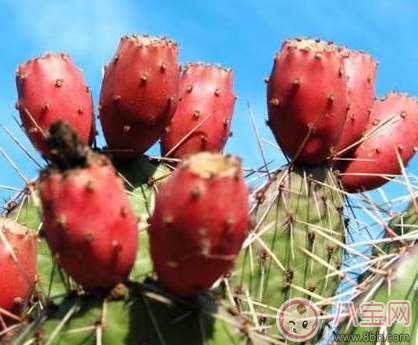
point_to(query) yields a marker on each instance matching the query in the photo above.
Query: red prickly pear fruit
(18, 251)
(87, 220)
(205, 91)
(139, 94)
(360, 69)
(52, 88)
(197, 230)
(307, 99)
(392, 129)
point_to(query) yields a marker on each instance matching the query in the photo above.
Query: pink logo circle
(298, 319)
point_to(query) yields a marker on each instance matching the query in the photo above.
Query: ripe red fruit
(52, 88)
(207, 97)
(361, 73)
(307, 99)
(87, 220)
(199, 223)
(139, 93)
(18, 250)
(392, 128)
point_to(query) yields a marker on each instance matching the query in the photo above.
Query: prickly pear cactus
(397, 281)
(322, 111)
(296, 246)
(140, 314)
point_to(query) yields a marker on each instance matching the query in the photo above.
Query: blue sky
(243, 35)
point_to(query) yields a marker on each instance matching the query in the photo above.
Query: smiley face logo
(298, 319)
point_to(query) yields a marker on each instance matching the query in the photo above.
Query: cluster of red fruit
(322, 107)
(88, 223)
(143, 98)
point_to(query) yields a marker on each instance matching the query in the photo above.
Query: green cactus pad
(140, 314)
(397, 282)
(142, 179)
(400, 226)
(296, 244)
